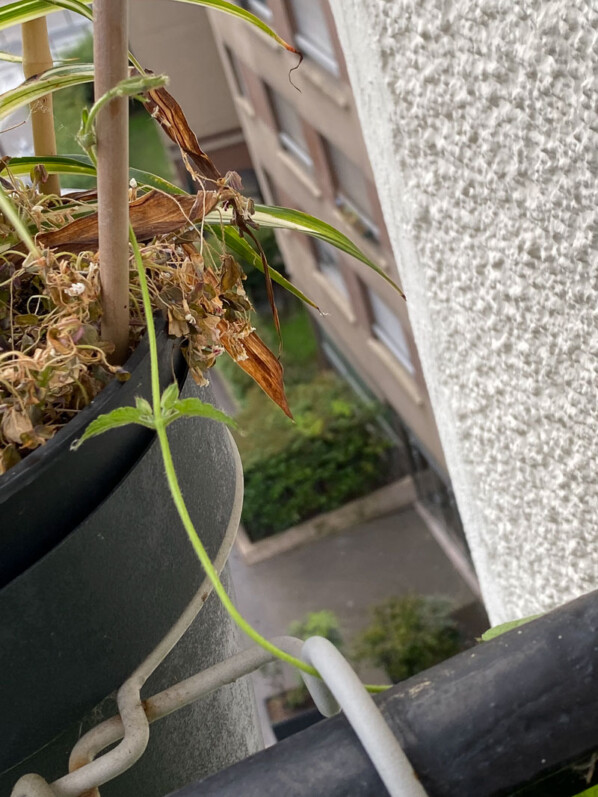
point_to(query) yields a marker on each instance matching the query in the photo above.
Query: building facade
(305, 141)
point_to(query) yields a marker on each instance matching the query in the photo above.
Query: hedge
(333, 453)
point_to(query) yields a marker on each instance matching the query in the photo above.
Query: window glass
(290, 129)
(388, 330)
(329, 266)
(313, 37)
(240, 84)
(352, 197)
(257, 7)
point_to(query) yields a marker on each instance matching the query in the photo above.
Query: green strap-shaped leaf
(81, 164)
(240, 247)
(78, 6)
(289, 219)
(121, 416)
(25, 10)
(59, 77)
(241, 13)
(14, 59)
(54, 164)
(11, 214)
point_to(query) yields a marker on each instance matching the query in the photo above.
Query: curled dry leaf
(258, 361)
(169, 115)
(153, 214)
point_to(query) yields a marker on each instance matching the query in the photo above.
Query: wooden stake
(37, 58)
(112, 128)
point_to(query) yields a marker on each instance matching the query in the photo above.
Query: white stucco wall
(481, 125)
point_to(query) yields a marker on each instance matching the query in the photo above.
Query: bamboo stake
(37, 58)
(112, 129)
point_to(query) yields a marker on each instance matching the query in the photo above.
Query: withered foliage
(52, 361)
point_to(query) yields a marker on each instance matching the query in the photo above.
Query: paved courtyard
(346, 573)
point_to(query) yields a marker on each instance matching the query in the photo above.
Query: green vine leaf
(492, 633)
(121, 416)
(194, 407)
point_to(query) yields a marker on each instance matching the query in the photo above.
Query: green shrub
(333, 453)
(323, 623)
(408, 635)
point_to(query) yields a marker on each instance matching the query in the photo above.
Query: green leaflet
(169, 396)
(491, 633)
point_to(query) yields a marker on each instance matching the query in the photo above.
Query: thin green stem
(151, 329)
(130, 87)
(177, 495)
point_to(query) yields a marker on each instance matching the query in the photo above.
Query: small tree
(408, 635)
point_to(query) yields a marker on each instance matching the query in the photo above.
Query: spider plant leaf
(289, 219)
(25, 10)
(239, 246)
(121, 416)
(54, 164)
(14, 59)
(75, 5)
(11, 214)
(59, 77)
(247, 16)
(81, 164)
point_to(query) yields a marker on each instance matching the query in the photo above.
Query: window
(257, 7)
(328, 265)
(240, 84)
(290, 130)
(312, 36)
(388, 329)
(352, 197)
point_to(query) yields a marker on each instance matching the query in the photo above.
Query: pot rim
(22, 474)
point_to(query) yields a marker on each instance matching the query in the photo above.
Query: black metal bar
(517, 713)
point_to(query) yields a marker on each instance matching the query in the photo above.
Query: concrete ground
(346, 573)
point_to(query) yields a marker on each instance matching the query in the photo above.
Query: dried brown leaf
(169, 115)
(262, 366)
(155, 213)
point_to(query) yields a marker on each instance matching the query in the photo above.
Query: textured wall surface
(480, 120)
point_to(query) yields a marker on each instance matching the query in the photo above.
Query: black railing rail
(516, 715)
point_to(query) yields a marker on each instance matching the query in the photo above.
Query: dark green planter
(80, 610)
